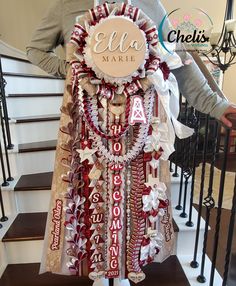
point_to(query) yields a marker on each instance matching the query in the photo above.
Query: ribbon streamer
(130, 11)
(132, 88)
(99, 12)
(78, 35)
(106, 91)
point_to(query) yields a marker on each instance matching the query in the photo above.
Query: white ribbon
(168, 93)
(156, 242)
(152, 201)
(171, 58)
(153, 142)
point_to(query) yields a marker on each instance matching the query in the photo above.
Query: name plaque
(118, 47)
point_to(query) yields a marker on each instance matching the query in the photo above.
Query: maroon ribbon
(130, 11)
(78, 35)
(165, 70)
(152, 35)
(132, 88)
(106, 90)
(152, 64)
(99, 12)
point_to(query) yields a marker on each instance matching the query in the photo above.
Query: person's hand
(231, 109)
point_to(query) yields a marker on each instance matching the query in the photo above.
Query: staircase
(34, 101)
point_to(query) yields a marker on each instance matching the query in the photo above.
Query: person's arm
(46, 38)
(194, 87)
(192, 83)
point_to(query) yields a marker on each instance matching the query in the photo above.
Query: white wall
(18, 19)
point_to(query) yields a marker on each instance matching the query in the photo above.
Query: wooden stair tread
(223, 236)
(38, 146)
(27, 226)
(18, 95)
(168, 273)
(232, 271)
(27, 75)
(34, 182)
(37, 118)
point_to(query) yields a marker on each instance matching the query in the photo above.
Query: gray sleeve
(192, 83)
(48, 35)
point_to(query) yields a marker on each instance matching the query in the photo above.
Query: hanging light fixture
(223, 45)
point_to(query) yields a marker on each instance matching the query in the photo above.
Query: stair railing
(206, 153)
(4, 108)
(5, 142)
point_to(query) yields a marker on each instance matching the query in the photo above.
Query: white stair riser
(17, 84)
(187, 235)
(174, 252)
(175, 197)
(175, 191)
(181, 222)
(9, 202)
(193, 273)
(3, 252)
(32, 201)
(186, 242)
(24, 106)
(3, 258)
(34, 131)
(14, 66)
(32, 162)
(24, 251)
